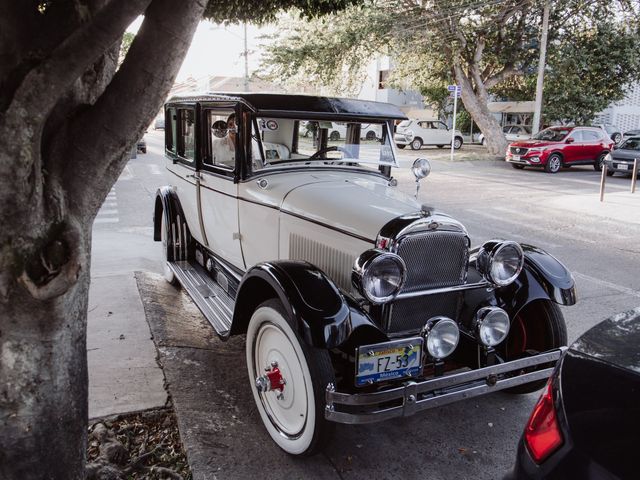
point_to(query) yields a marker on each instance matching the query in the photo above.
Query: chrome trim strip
(435, 291)
(418, 396)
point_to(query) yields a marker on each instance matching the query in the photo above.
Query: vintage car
(359, 303)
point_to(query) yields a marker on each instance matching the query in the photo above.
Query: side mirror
(570, 140)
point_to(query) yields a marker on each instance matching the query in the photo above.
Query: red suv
(556, 147)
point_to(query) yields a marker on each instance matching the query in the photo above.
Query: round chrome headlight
(492, 325)
(378, 275)
(500, 262)
(421, 168)
(441, 337)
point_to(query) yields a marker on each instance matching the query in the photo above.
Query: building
(624, 114)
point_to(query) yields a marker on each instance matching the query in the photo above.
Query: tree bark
(59, 156)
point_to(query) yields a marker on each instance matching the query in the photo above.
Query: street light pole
(541, 65)
(246, 60)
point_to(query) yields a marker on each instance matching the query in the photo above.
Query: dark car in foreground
(621, 159)
(557, 147)
(141, 146)
(586, 423)
(632, 133)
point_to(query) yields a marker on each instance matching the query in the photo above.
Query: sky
(217, 50)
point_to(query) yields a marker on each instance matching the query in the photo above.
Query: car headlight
(492, 325)
(421, 168)
(500, 262)
(409, 134)
(537, 149)
(608, 157)
(378, 275)
(441, 337)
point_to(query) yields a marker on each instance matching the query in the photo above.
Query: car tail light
(542, 434)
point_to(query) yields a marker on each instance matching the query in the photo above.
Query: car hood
(622, 154)
(533, 143)
(614, 341)
(358, 204)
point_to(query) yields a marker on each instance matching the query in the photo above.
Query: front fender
(324, 317)
(167, 204)
(542, 277)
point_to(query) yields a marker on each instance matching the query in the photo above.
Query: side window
(440, 126)
(577, 136)
(171, 132)
(590, 136)
(187, 134)
(221, 140)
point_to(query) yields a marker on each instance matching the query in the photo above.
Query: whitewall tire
(168, 274)
(294, 417)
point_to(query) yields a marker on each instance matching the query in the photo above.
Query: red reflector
(542, 434)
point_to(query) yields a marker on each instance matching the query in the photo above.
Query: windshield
(552, 134)
(303, 142)
(631, 144)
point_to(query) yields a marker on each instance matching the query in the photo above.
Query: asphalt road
(472, 439)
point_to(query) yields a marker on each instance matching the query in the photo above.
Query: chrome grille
(519, 150)
(434, 259)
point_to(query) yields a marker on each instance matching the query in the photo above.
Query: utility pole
(537, 114)
(246, 60)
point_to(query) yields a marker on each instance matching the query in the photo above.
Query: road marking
(126, 174)
(108, 211)
(612, 286)
(554, 233)
(106, 220)
(155, 169)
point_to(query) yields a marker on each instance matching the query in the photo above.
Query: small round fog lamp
(421, 168)
(441, 337)
(492, 325)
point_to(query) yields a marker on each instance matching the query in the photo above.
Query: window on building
(383, 79)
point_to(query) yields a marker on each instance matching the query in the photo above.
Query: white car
(338, 130)
(513, 133)
(359, 303)
(418, 133)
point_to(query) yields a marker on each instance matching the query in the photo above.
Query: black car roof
(274, 104)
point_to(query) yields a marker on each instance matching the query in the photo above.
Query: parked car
(141, 146)
(418, 133)
(615, 133)
(358, 302)
(631, 133)
(557, 147)
(621, 158)
(338, 130)
(586, 422)
(512, 133)
(158, 124)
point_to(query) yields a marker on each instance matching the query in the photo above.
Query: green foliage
(127, 40)
(234, 11)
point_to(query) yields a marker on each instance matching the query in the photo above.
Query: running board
(214, 303)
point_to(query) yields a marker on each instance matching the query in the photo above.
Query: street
(472, 439)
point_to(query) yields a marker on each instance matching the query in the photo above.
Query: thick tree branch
(42, 87)
(105, 132)
(500, 77)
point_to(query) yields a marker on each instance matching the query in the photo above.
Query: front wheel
(554, 162)
(457, 143)
(538, 327)
(288, 380)
(335, 136)
(400, 146)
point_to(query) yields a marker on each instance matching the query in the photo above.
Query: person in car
(223, 144)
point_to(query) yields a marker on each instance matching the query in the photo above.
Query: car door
(572, 150)
(180, 152)
(442, 134)
(592, 144)
(218, 189)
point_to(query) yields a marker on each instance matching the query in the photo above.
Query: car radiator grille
(519, 150)
(434, 259)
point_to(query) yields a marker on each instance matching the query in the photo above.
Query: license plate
(622, 166)
(516, 158)
(388, 361)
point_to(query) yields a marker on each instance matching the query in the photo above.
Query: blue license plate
(388, 361)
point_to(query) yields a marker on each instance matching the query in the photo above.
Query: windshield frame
(257, 145)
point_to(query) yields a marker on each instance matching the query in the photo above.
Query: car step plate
(388, 361)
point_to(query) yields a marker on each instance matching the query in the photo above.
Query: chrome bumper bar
(413, 397)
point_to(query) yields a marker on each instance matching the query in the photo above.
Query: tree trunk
(43, 380)
(479, 111)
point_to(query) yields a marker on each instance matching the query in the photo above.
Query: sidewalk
(621, 206)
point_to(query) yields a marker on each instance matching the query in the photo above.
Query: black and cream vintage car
(358, 302)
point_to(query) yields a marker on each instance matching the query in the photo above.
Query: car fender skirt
(325, 317)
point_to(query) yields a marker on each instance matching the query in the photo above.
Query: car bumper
(622, 166)
(401, 140)
(529, 160)
(412, 397)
